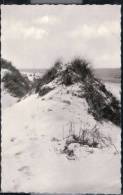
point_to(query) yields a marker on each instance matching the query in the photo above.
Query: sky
(36, 36)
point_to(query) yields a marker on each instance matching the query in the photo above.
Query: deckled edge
(84, 2)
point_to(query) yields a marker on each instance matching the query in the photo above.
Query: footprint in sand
(32, 116)
(12, 139)
(16, 187)
(49, 110)
(18, 153)
(25, 170)
(33, 138)
(26, 127)
(42, 135)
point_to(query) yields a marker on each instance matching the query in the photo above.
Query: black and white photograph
(61, 99)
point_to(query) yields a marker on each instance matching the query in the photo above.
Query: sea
(32, 70)
(105, 74)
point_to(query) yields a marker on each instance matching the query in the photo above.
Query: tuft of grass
(67, 77)
(14, 82)
(5, 64)
(102, 104)
(48, 76)
(92, 138)
(45, 90)
(77, 70)
(82, 67)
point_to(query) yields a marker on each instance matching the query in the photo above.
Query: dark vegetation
(76, 71)
(16, 84)
(102, 104)
(45, 90)
(50, 75)
(87, 137)
(91, 138)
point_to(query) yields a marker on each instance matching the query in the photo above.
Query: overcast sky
(35, 36)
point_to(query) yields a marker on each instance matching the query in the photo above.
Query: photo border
(84, 2)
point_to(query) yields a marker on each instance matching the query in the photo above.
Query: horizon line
(92, 67)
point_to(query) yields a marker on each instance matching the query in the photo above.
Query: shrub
(48, 76)
(81, 67)
(92, 138)
(44, 90)
(67, 78)
(8, 65)
(16, 84)
(76, 71)
(103, 106)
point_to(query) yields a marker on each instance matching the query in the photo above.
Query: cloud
(19, 30)
(87, 31)
(61, 31)
(46, 20)
(34, 33)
